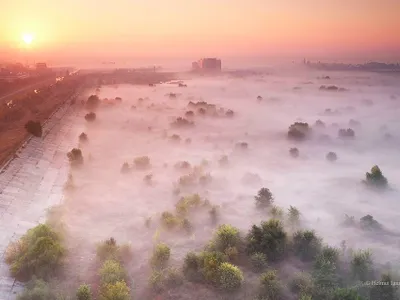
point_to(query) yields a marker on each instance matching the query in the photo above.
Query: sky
(124, 29)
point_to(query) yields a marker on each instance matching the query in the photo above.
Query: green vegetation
(293, 216)
(39, 252)
(84, 292)
(142, 162)
(331, 156)
(125, 168)
(264, 198)
(164, 279)
(276, 212)
(109, 250)
(361, 265)
(230, 276)
(346, 133)
(299, 131)
(214, 214)
(169, 220)
(115, 291)
(75, 157)
(37, 289)
(270, 238)
(90, 117)
(302, 284)
(376, 178)
(160, 257)
(294, 152)
(306, 245)
(34, 128)
(270, 286)
(93, 102)
(111, 272)
(83, 137)
(258, 261)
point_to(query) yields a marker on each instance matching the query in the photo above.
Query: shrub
(270, 287)
(331, 156)
(209, 262)
(264, 198)
(34, 128)
(349, 294)
(214, 214)
(125, 168)
(226, 236)
(182, 122)
(327, 254)
(90, 117)
(169, 278)
(230, 276)
(75, 157)
(319, 124)
(229, 113)
(83, 137)
(173, 277)
(148, 179)
(376, 178)
(205, 179)
(186, 225)
(92, 102)
(108, 250)
(189, 114)
(223, 161)
(270, 238)
(116, 291)
(293, 216)
(361, 265)
(175, 138)
(39, 252)
(231, 253)
(187, 180)
(325, 279)
(299, 131)
(346, 133)
(258, 261)
(36, 289)
(84, 292)
(142, 162)
(294, 152)
(111, 272)
(276, 212)
(185, 204)
(242, 146)
(301, 284)
(369, 223)
(306, 245)
(168, 220)
(191, 267)
(160, 257)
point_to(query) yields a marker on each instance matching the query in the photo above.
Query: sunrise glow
(27, 38)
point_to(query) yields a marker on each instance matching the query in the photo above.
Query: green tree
(111, 272)
(160, 257)
(84, 292)
(230, 276)
(306, 244)
(117, 291)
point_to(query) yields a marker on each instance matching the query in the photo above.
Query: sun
(27, 38)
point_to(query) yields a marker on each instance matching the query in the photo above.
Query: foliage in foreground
(37, 289)
(230, 276)
(39, 252)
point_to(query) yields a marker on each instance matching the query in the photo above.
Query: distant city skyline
(91, 31)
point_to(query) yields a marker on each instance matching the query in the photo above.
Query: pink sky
(97, 29)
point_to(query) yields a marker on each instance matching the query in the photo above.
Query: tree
(84, 292)
(264, 198)
(386, 291)
(270, 287)
(226, 236)
(376, 178)
(230, 276)
(160, 257)
(36, 289)
(270, 238)
(116, 291)
(306, 244)
(361, 265)
(258, 261)
(299, 131)
(347, 294)
(34, 128)
(111, 272)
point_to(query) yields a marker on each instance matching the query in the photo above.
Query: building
(207, 64)
(41, 67)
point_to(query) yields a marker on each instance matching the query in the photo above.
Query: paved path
(32, 183)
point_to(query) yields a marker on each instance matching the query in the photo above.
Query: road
(26, 89)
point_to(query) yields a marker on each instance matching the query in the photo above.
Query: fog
(108, 203)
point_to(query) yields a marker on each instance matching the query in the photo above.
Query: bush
(376, 178)
(361, 265)
(84, 292)
(175, 138)
(189, 114)
(169, 278)
(191, 267)
(185, 204)
(75, 157)
(229, 113)
(92, 102)
(276, 212)
(223, 161)
(264, 198)
(116, 291)
(214, 214)
(168, 220)
(209, 262)
(226, 236)
(182, 122)
(109, 250)
(119, 99)
(90, 117)
(350, 294)
(270, 238)
(331, 156)
(187, 180)
(293, 216)
(301, 284)
(125, 168)
(205, 179)
(37, 290)
(346, 133)
(270, 287)
(160, 257)
(328, 254)
(39, 252)
(299, 131)
(306, 245)
(231, 277)
(242, 146)
(142, 162)
(294, 152)
(369, 223)
(258, 261)
(182, 165)
(83, 137)
(111, 272)
(319, 124)
(186, 225)
(34, 128)
(148, 179)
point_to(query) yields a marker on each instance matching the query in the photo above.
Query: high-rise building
(207, 64)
